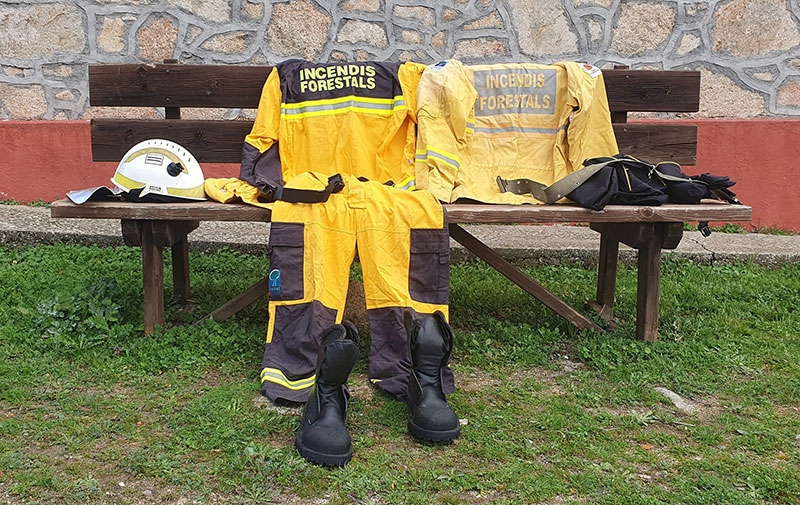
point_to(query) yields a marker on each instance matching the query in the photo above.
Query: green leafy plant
(81, 321)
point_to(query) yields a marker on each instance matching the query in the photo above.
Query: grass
(91, 411)
(36, 203)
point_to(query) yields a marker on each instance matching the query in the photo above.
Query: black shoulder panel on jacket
(304, 81)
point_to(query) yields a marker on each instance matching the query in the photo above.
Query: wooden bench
(174, 87)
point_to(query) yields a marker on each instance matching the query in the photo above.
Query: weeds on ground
(92, 411)
(35, 203)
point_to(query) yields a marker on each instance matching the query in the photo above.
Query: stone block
(789, 94)
(212, 10)
(229, 43)
(744, 28)
(642, 28)
(157, 39)
(22, 102)
(360, 5)
(35, 31)
(543, 29)
(423, 15)
(297, 28)
(354, 31)
(480, 49)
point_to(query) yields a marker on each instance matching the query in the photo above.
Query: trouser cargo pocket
(286, 261)
(429, 268)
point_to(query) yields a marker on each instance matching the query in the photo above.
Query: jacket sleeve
(261, 165)
(446, 119)
(409, 75)
(590, 132)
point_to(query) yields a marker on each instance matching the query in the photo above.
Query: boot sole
(321, 458)
(433, 436)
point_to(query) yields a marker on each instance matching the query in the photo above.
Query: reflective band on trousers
(276, 376)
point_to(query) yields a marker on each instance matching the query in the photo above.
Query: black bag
(624, 180)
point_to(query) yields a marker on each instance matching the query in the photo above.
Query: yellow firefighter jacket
(531, 121)
(347, 118)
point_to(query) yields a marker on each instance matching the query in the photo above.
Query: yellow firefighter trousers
(403, 246)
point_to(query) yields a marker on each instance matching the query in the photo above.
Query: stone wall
(747, 50)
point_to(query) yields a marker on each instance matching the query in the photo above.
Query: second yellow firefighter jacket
(515, 121)
(346, 118)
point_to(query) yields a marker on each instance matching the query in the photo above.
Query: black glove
(714, 181)
(718, 186)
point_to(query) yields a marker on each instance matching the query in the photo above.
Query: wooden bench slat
(222, 141)
(209, 141)
(184, 211)
(567, 213)
(456, 213)
(140, 85)
(237, 86)
(655, 142)
(653, 90)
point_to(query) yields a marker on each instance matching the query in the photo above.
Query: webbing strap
(567, 184)
(294, 195)
(554, 192)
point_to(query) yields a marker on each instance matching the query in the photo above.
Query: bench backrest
(177, 86)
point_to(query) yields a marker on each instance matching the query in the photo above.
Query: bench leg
(180, 271)
(606, 279)
(152, 237)
(648, 239)
(519, 278)
(648, 288)
(152, 280)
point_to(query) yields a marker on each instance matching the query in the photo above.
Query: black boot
(322, 437)
(431, 343)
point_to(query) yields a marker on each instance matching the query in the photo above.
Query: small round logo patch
(274, 282)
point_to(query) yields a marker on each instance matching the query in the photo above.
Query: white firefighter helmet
(159, 170)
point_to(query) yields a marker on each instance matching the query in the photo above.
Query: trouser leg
(311, 249)
(404, 250)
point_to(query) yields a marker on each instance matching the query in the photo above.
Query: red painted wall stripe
(42, 160)
(763, 157)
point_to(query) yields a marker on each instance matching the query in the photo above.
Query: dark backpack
(624, 180)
